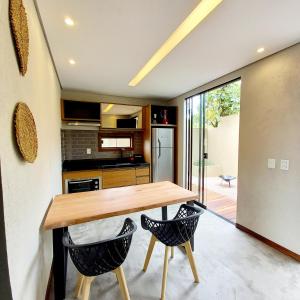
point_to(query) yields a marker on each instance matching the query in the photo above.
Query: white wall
(223, 145)
(28, 188)
(268, 200)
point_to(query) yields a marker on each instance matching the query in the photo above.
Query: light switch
(271, 163)
(284, 164)
(88, 151)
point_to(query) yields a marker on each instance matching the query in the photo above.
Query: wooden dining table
(71, 209)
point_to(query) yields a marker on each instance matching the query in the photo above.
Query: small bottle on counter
(154, 121)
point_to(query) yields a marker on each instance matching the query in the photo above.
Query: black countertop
(92, 164)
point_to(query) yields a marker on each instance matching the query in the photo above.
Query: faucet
(122, 150)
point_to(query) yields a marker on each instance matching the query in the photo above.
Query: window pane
(109, 143)
(118, 142)
(123, 142)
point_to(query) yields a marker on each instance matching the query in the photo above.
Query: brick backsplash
(75, 142)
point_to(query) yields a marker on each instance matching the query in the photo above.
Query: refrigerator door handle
(157, 167)
(159, 146)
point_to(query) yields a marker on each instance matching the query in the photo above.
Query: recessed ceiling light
(69, 21)
(260, 50)
(202, 10)
(72, 61)
(108, 108)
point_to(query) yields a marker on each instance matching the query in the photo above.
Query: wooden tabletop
(71, 209)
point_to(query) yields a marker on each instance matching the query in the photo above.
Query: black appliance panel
(85, 185)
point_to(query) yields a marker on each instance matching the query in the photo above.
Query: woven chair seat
(104, 256)
(176, 231)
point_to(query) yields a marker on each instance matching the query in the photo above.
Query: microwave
(82, 185)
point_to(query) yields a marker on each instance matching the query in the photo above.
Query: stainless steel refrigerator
(163, 154)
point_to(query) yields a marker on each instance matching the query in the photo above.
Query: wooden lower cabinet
(112, 177)
(142, 171)
(142, 175)
(118, 177)
(142, 180)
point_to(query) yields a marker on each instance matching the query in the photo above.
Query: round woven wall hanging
(19, 26)
(26, 132)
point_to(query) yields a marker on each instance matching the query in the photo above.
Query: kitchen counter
(94, 164)
(110, 173)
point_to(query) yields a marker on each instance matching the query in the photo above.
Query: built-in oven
(82, 185)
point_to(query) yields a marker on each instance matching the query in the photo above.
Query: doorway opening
(212, 138)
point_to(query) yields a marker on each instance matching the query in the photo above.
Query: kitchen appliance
(126, 123)
(162, 154)
(82, 185)
(138, 158)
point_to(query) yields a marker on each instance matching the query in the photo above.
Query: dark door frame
(189, 149)
(5, 287)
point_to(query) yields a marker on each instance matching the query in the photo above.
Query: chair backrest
(104, 256)
(176, 231)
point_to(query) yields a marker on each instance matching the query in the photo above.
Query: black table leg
(164, 212)
(60, 261)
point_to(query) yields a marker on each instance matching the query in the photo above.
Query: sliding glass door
(195, 145)
(212, 135)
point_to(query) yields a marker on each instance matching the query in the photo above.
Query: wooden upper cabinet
(118, 177)
(80, 111)
(147, 133)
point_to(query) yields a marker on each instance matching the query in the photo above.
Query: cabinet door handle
(80, 181)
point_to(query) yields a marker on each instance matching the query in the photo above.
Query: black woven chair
(175, 232)
(101, 257)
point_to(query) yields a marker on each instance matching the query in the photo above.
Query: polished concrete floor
(231, 265)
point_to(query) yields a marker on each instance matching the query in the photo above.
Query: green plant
(221, 102)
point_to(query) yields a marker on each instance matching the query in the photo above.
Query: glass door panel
(196, 130)
(212, 126)
(194, 145)
(220, 140)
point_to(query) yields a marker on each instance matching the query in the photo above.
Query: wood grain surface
(71, 209)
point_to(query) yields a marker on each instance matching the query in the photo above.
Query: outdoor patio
(220, 197)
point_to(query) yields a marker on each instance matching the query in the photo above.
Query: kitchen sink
(125, 164)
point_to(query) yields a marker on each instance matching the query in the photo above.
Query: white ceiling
(113, 39)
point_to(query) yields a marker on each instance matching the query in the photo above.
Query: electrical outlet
(271, 163)
(88, 151)
(284, 164)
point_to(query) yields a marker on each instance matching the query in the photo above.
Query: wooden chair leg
(87, 287)
(164, 279)
(149, 252)
(122, 283)
(79, 285)
(189, 253)
(172, 252)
